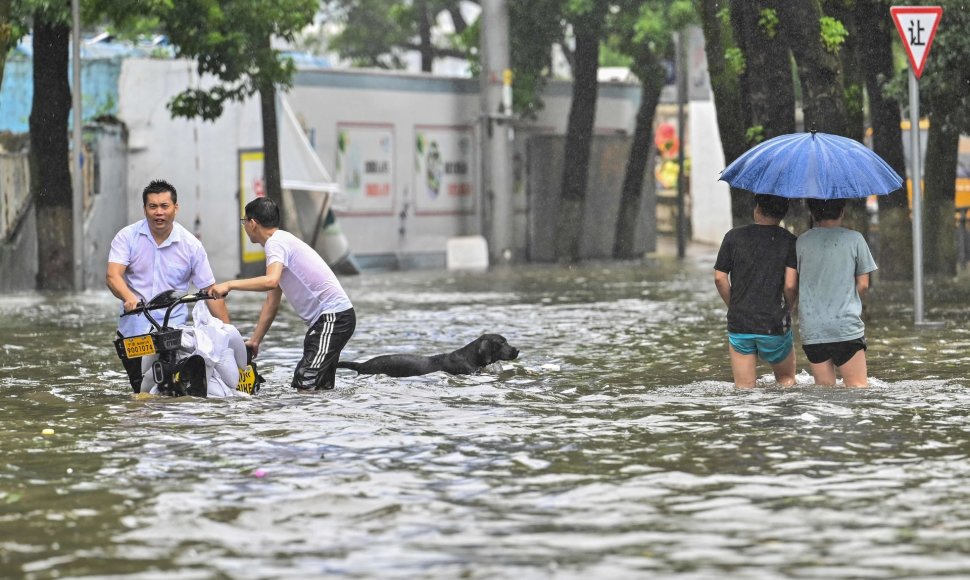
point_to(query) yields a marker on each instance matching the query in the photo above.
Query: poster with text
(444, 172)
(365, 167)
(252, 184)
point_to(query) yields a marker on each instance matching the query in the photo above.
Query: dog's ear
(486, 351)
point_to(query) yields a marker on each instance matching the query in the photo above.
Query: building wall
(327, 100)
(202, 158)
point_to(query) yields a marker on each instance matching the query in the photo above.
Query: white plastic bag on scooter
(218, 343)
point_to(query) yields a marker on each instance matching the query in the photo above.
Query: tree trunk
(651, 85)
(767, 91)
(853, 70)
(894, 235)
(50, 174)
(271, 146)
(819, 71)
(939, 249)
(424, 29)
(727, 100)
(579, 136)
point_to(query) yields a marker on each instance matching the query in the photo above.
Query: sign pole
(916, 170)
(917, 26)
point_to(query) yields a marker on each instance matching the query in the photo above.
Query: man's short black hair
(264, 211)
(159, 186)
(772, 206)
(826, 209)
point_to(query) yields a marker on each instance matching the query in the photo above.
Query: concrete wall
(105, 210)
(327, 100)
(199, 158)
(398, 110)
(711, 207)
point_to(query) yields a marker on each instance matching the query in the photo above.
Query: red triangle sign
(917, 27)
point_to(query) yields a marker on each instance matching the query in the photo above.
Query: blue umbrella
(817, 165)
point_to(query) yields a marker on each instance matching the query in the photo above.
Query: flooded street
(614, 447)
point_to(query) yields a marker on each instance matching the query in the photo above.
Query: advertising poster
(444, 170)
(252, 184)
(365, 167)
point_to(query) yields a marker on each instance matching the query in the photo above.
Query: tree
(725, 64)
(231, 40)
(378, 33)
(587, 19)
(876, 36)
(815, 41)
(641, 30)
(50, 175)
(6, 33)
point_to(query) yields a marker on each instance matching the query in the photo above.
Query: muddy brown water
(614, 447)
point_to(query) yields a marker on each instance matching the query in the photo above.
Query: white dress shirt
(152, 269)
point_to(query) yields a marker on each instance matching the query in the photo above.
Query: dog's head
(494, 347)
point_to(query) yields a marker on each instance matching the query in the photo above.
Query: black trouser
(321, 350)
(133, 368)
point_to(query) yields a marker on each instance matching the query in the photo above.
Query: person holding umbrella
(833, 262)
(755, 274)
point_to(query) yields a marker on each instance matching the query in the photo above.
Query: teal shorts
(772, 348)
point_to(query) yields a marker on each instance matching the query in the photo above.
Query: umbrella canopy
(817, 165)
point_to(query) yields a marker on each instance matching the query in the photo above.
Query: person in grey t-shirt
(833, 275)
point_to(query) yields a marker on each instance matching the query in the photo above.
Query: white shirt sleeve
(275, 252)
(201, 270)
(120, 252)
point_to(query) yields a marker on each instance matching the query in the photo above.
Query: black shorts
(837, 352)
(321, 350)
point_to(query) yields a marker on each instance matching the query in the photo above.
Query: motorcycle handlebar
(186, 299)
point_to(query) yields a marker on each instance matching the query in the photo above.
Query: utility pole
(77, 150)
(497, 131)
(681, 57)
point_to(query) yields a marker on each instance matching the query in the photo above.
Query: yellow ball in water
(47, 431)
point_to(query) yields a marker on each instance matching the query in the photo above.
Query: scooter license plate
(139, 346)
(247, 380)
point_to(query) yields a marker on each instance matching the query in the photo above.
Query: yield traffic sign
(917, 27)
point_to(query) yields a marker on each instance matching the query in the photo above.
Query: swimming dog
(482, 351)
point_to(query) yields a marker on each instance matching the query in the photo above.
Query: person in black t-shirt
(756, 275)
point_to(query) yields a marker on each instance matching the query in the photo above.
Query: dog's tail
(349, 365)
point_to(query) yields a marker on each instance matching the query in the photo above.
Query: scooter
(175, 375)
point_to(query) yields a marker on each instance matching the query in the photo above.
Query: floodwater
(614, 447)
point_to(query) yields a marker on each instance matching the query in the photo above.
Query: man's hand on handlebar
(219, 290)
(131, 304)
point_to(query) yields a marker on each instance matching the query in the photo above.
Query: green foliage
(609, 56)
(854, 100)
(230, 39)
(833, 34)
(734, 61)
(724, 16)
(768, 21)
(754, 135)
(534, 27)
(378, 33)
(680, 13)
